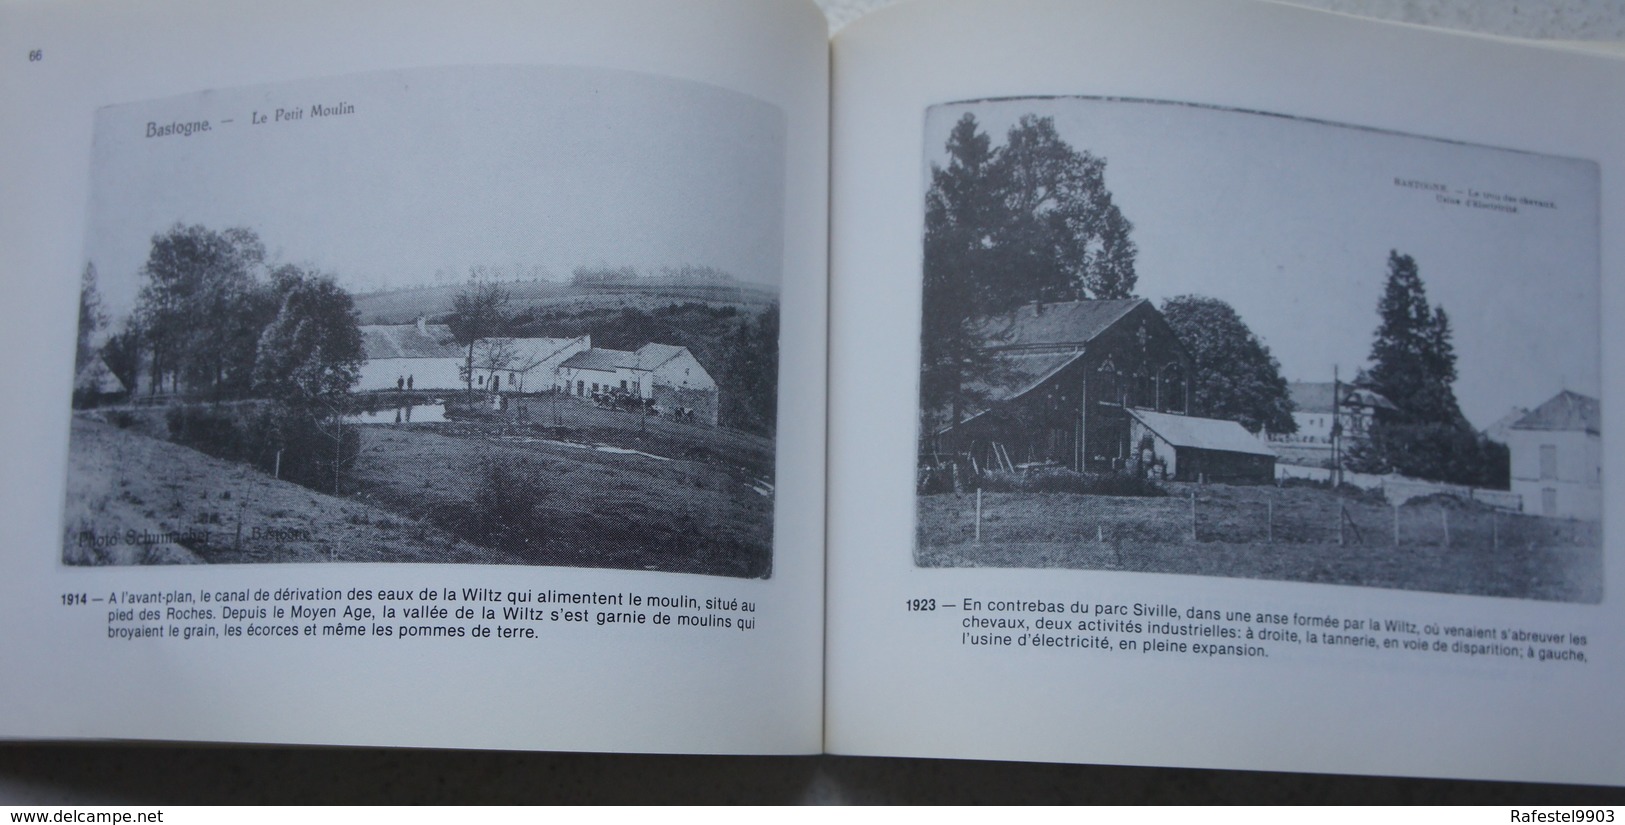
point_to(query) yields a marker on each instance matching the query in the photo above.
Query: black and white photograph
(1168, 337)
(493, 315)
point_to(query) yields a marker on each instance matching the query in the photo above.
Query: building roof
(1498, 430)
(1201, 433)
(601, 359)
(1021, 372)
(1043, 325)
(1565, 411)
(407, 341)
(532, 352)
(1310, 396)
(1036, 341)
(650, 356)
(1316, 396)
(97, 377)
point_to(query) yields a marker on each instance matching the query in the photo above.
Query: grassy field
(563, 483)
(550, 482)
(130, 487)
(1289, 534)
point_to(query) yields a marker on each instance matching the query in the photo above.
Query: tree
(200, 308)
(959, 224)
(311, 351)
(91, 318)
(750, 397)
(479, 310)
(1413, 365)
(1413, 360)
(1028, 221)
(309, 357)
(1234, 376)
(1057, 235)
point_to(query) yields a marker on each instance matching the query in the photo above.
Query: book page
(442, 374)
(1250, 393)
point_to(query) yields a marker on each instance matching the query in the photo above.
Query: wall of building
(685, 373)
(1571, 485)
(426, 373)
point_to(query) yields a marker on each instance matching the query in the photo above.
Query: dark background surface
(149, 774)
(50, 774)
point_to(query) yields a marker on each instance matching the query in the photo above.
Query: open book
(1199, 384)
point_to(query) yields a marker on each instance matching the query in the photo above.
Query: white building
(1557, 457)
(670, 375)
(421, 355)
(523, 364)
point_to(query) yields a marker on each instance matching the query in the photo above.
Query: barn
(1188, 448)
(1078, 384)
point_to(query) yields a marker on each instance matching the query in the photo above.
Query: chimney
(423, 327)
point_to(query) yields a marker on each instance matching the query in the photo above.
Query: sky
(1291, 222)
(540, 169)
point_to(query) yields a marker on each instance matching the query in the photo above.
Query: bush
(504, 512)
(1067, 481)
(257, 435)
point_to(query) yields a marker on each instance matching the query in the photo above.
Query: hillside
(402, 306)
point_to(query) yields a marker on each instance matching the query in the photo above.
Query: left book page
(430, 374)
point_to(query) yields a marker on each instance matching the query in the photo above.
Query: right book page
(1248, 393)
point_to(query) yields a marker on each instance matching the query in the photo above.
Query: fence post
(1340, 523)
(1193, 515)
(1444, 517)
(978, 515)
(1396, 526)
(1269, 520)
(1495, 531)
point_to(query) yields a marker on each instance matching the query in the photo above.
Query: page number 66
(36, 55)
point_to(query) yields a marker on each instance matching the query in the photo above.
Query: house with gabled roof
(1556, 452)
(523, 364)
(1095, 386)
(420, 354)
(669, 375)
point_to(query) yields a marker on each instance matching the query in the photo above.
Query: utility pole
(1337, 430)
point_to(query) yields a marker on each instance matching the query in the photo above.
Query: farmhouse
(1095, 386)
(523, 364)
(669, 375)
(422, 354)
(1557, 457)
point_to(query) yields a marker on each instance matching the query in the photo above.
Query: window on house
(623, 386)
(1548, 461)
